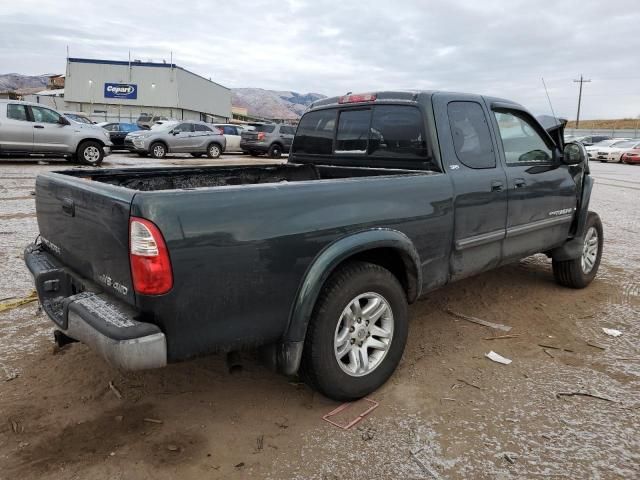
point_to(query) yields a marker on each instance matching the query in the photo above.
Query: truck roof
(397, 95)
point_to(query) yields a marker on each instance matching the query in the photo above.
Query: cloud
(500, 48)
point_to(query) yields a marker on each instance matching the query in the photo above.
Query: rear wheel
(580, 272)
(275, 150)
(90, 153)
(213, 150)
(158, 150)
(357, 332)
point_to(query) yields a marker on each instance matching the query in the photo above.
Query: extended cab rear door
(469, 155)
(542, 193)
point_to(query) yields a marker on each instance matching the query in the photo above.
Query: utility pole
(581, 81)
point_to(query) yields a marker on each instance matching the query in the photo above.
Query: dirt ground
(447, 412)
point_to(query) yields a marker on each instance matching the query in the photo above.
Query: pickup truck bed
(385, 197)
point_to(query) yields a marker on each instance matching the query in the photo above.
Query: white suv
(27, 128)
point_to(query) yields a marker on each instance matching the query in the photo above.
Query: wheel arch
(153, 142)
(388, 248)
(89, 139)
(572, 248)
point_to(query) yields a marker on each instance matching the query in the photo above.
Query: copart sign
(127, 91)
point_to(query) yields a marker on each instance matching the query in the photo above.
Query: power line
(581, 81)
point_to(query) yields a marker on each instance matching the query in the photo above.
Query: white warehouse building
(109, 90)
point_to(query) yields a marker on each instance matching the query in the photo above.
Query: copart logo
(121, 89)
(127, 91)
(117, 286)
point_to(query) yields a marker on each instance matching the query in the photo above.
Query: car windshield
(606, 143)
(163, 126)
(264, 128)
(625, 144)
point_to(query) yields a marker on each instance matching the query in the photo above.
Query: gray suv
(196, 138)
(269, 138)
(29, 128)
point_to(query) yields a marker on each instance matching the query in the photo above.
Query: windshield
(625, 144)
(264, 128)
(163, 126)
(606, 143)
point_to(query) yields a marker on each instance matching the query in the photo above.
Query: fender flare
(337, 252)
(573, 248)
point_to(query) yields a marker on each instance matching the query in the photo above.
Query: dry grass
(622, 123)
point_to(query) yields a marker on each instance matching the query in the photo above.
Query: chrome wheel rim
(363, 334)
(214, 151)
(158, 150)
(590, 250)
(91, 154)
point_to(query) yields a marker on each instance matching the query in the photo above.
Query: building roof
(58, 92)
(136, 63)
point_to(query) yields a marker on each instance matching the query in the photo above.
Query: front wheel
(213, 150)
(357, 332)
(158, 150)
(275, 151)
(90, 153)
(580, 272)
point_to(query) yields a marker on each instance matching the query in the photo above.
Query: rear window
(265, 128)
(353, 131)
(202, 128)
(315, 133)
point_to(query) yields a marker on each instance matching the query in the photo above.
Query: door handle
(38, 126)
(519, 183)
(497, 186)
(69, 207)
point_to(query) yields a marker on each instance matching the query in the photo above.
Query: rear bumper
(254, 147)
(93, 317)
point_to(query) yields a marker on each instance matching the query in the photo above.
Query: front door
(286, 134)
(541, 190)
(480, 184)
(49, 135)
(182, 139)
(16, 131)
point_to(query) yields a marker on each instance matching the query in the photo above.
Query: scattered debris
(345, 406)
(509, 459)
(500, 337)
(239, 465)
(11, 304)
(12, 376)
(173, 448)
(118, 418)
(548, 352)
(112, 454)
(152, 420)
(260, 443)
(553, 347)
(16, 427)
(497, 358)
(449, 399)
(612, 332)
(115, 391)
(469, 383)
(595, 345)
(424, 464)
(583, 394)
(479, 321)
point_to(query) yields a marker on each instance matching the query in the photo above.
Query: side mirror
(574, 154)
(63, 121)
(174, 132)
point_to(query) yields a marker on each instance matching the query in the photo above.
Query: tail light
(261, 136)
(149, 258)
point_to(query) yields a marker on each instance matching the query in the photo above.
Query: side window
(471, 136)
(353, 131)
(202, 128)
(184, 127)
(287, 130)
(111, 127)
(17, 112)
(229, 130)
(397, 130)
(521, 142)
(44, 115)
(315, 133)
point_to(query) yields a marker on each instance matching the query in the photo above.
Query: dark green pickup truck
(385, 197)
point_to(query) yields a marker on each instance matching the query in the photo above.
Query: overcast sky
(500, 48)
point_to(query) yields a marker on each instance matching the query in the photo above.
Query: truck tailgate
(85, 224)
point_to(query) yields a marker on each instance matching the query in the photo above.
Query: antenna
(549, 100)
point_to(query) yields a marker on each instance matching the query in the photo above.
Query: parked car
(614, 152)
(118, 131)
(593, 149)
(589, 140)
(632, 156)
(78, 117)
(145, 120)
(196, 138)
(233, 135)
(384, 198)
(30, 128)
(270, 138)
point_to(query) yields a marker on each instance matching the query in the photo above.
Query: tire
(348, 380)
(158, 150)
(214, 150)
(197, 155)
(90, 153)
(580, 272)
(620, 159)
(275, 150)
